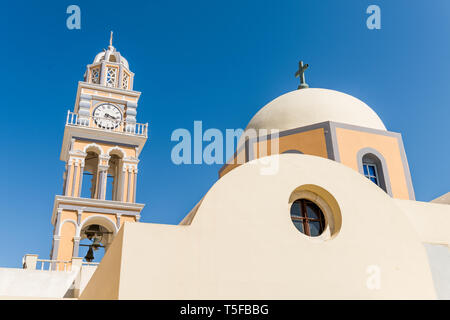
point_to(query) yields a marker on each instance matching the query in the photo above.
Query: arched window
(90, 176)
(372, 165)
(307, 217)
(113, 179)
(373, 170)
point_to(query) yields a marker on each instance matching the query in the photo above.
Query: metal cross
(301, 73)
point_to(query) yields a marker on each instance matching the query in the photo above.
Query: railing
(31, 262)
(106, 124)
(54, 265)
(92, 264)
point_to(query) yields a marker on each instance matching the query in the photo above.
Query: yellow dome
(304, 107)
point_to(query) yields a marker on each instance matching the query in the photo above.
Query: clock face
(107, 116)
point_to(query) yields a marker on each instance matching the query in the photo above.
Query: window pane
(372, 171)
(295, 209)
(374, 180)
(315, 228)
(307, 217)
(365, 170)
(298, 225)
(312, 211)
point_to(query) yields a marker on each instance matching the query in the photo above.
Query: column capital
(104, 157)
(103, 167)
(77, 154)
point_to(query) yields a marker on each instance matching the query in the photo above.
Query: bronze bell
(89, 255)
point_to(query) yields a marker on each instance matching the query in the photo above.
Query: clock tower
(101, 146)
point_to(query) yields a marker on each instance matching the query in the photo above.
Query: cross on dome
(301, 74)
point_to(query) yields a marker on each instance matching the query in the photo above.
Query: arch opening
(89, 187)
(95, 237)
(114, 179)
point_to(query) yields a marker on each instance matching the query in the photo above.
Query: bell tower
(101, 146)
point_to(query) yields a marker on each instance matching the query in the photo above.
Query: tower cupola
(110, 69)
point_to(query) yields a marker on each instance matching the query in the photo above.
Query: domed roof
(304, 107)
(111, 55)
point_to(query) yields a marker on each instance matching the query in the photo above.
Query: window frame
(368, 175)
(369, 155)
(94, 76)
(305, 219)
(111, 76)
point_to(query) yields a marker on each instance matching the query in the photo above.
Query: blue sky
(214, 61)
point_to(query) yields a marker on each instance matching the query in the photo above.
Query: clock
(107, 116)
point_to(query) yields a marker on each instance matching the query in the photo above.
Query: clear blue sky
(215, 61)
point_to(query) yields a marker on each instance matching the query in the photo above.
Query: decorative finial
(111, 39)
(301, 73)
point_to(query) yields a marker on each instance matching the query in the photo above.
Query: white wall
(25, 283)
(439, 257)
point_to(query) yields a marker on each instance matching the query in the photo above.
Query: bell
(89, 255)
(92, 231)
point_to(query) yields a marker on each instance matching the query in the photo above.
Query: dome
(111, 55)
(304, 107)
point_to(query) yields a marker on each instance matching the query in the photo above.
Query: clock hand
(107, 115)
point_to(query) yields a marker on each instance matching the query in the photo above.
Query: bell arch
(90, 187)
(94, 148)
(95, 234)
(115, 175)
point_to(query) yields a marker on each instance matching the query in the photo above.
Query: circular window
(307, 217)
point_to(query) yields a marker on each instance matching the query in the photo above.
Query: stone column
(80, 183)
(134, 184)
(69, 174)
(129, 185)
(79, 213)
(74, 179)
(122, 183)
(76, 246)
(64, 181)
(57, 221)
(102, 181)
(54, 255)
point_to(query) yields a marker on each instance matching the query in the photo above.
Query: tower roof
(111, 55)
(309, 106)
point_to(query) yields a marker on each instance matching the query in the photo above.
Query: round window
(307, 217)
